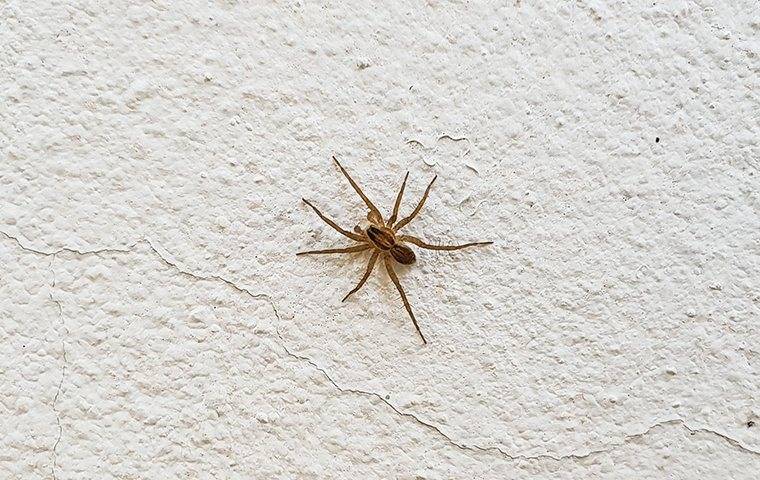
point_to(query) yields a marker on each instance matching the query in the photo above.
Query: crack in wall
(709, 431)
(500, 451)
(162, 256)
(53, 253)
(219, 278)
(372, 395)
(54, 466)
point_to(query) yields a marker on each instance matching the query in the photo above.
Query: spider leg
(422, 244)
(394, 278)
(374, 212)
(352, 236)
(355, 248)
(408, 219)
(393, 217)
(359, 285)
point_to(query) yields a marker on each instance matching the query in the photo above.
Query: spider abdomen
(382, 237)
(403, 254)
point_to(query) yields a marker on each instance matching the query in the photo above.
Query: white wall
(155, 322)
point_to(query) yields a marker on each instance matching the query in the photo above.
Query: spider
(382, 238)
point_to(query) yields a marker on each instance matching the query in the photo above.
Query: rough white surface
(154, 322)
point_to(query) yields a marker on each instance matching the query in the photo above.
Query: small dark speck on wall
(656, 139)
(750, 424)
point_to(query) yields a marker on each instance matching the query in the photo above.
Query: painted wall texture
(155, 322)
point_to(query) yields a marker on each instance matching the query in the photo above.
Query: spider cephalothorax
(382, 238)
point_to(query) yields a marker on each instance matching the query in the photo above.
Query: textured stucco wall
(154, 322)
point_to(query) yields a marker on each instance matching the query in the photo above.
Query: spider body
(382, 238)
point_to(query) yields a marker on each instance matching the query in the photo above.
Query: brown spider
(381, 236)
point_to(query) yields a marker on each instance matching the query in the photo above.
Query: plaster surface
(155, 322)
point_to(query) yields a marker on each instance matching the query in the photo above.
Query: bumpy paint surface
(155, 323)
